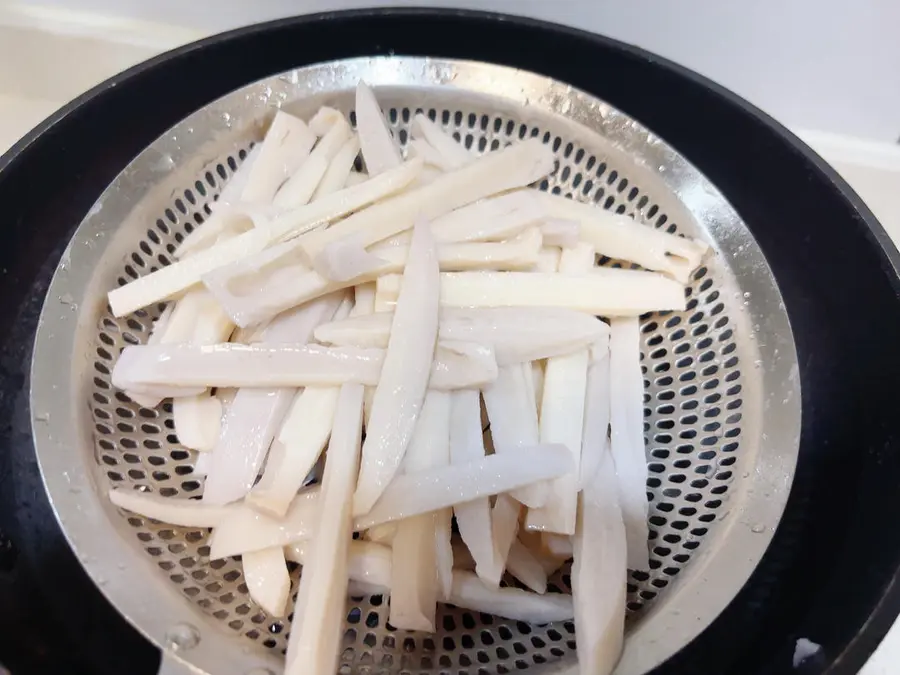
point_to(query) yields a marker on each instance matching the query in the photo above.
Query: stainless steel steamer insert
(722, 391)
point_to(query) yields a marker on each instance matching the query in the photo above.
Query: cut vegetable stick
(612, 293)
(472, 518)
(562, 233)
(519, 253)
(508, 169)
(172, 279)
(409, 495)
(562, 417)
(338, 170)
(378, 148)
(400, 390)
(627, 435)
(197, 421)
(225, 218)
(599, 571)
(260, 286)
(180, 512)
(267, 579)
(198, 418)
(418, 579)
(514, 425)
(619, 236)
(315, 647)
(285, 148)
(505, 518)
(240, 529)
(202, 464)
(453, 154)
(548, 260)
(304, 433)
(419, 147)
(368, 562)
(596, 414)
(550, 562)
(513, 603)
(299, 188)
(255, 415)
(537, 382)
(525, 567)
(186, 370)
(492, 219)
(414, 583)
(516, 335)
(364, 301)
(383, 534)
(557, 544)
(355, 178)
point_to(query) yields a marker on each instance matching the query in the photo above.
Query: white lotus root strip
(355, 178)
(415, 581)
(370, 563)
(548, 260)
(562, 233)
(303, 435)
(224, 219)
(175, 278)
(505, 517)
(599, 571)
(180, 512)
(453, 154)
(514, 425)
(627, 436)
(299, 188)
(379, 151)
(284, 149)
(620, 237)
(596, 412)
(525, 567)
(562, 416)
(202, 464)
(514, 167)
(419, 147)
(239, 528)
(516, 335)
(409, 495)
(267, 579)
(364, 301)
(513, 603)
(314, 648)
(338, 171)
(492, 219)
(197, 421)
(260, 286)
(400, 390)
(186, 370)
(255, 415)
(383, 534)
(610, 293)
(472, 518)
(348, 260)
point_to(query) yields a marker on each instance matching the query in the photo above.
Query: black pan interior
(830, 575)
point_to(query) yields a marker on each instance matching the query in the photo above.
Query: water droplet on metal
(182, 636)
(758, 529)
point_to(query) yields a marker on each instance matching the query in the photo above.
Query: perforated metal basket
(722, 397)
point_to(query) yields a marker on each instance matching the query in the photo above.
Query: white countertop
(43, 68)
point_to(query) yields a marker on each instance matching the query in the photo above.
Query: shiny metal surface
(722, 387)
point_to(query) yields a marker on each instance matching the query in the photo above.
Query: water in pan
(693, 388)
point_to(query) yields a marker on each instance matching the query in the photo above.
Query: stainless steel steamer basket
(722, 391)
